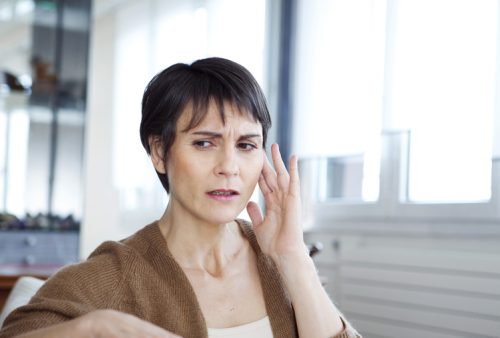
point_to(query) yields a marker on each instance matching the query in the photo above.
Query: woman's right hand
(103, 323)
(115, 324)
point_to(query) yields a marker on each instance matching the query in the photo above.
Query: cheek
(255, 166)
(180, 172)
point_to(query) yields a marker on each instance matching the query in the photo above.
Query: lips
(223, 194)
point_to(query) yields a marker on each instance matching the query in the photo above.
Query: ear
(156, 146)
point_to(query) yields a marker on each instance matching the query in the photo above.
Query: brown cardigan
(138, 276)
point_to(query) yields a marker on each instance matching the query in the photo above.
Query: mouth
(223, 194)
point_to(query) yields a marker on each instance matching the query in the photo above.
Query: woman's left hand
(279, 235)
(279, 232)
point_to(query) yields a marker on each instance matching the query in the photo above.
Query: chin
(221, 219)
(221, 216)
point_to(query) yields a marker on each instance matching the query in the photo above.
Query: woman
(198, 271)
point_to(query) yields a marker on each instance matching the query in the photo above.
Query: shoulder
(101, 281)
(101, 273)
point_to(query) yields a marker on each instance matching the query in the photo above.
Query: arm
(280, 236)
(316, 315)
(77, 302)
(102, 323)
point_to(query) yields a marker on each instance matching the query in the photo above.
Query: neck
(200, 246)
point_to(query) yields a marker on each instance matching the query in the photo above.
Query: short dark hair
(204, 81)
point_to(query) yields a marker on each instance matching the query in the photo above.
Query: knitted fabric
(140, 276)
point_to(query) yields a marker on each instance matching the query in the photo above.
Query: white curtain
(425, 67)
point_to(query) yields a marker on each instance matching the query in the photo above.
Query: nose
(227, 163)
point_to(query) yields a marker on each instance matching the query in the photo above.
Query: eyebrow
(219, 135)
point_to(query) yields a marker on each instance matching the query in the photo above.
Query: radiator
(414, 287)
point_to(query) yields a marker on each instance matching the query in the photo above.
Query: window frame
(391, 204)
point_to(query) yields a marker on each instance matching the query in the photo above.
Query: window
(443, 91)
(339, 83)
(395, 106)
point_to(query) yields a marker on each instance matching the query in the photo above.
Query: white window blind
(444, 93)
(338, 92)
(427, 68)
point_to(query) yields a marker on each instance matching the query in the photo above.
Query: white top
(260, 328)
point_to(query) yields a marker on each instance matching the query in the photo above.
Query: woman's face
(213, 168)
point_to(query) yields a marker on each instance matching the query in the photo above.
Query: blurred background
(393, 107)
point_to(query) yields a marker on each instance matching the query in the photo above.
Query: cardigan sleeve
(72, 292)
(348, 332)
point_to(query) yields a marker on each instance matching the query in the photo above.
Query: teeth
(221, 193)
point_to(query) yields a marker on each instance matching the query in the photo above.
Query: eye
(203, 144)
(246, 146)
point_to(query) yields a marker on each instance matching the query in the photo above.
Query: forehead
(213, 117)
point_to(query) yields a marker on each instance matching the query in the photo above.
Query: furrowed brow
(249, 136)
(207, 134)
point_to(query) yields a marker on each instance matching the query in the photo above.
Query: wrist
(294, 265)
(291, 254)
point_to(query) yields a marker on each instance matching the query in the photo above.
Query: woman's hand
(279, 232)
(103, 323)
(111, 323)
(279, 235)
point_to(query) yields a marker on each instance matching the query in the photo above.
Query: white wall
(100, 199)
(106, 215)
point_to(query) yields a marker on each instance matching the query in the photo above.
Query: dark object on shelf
(12, 82)
(315, 248)
(59, 54)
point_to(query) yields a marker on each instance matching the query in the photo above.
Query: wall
(413, 280)
(99, 219)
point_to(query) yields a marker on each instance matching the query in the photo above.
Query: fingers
(294, 188)
(254, 213)
(283, 177)
(266, 189)
(269, 175)
(269, 195)
(133, 326)
(279, 181)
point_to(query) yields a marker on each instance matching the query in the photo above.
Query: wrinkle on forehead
(193, 116)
